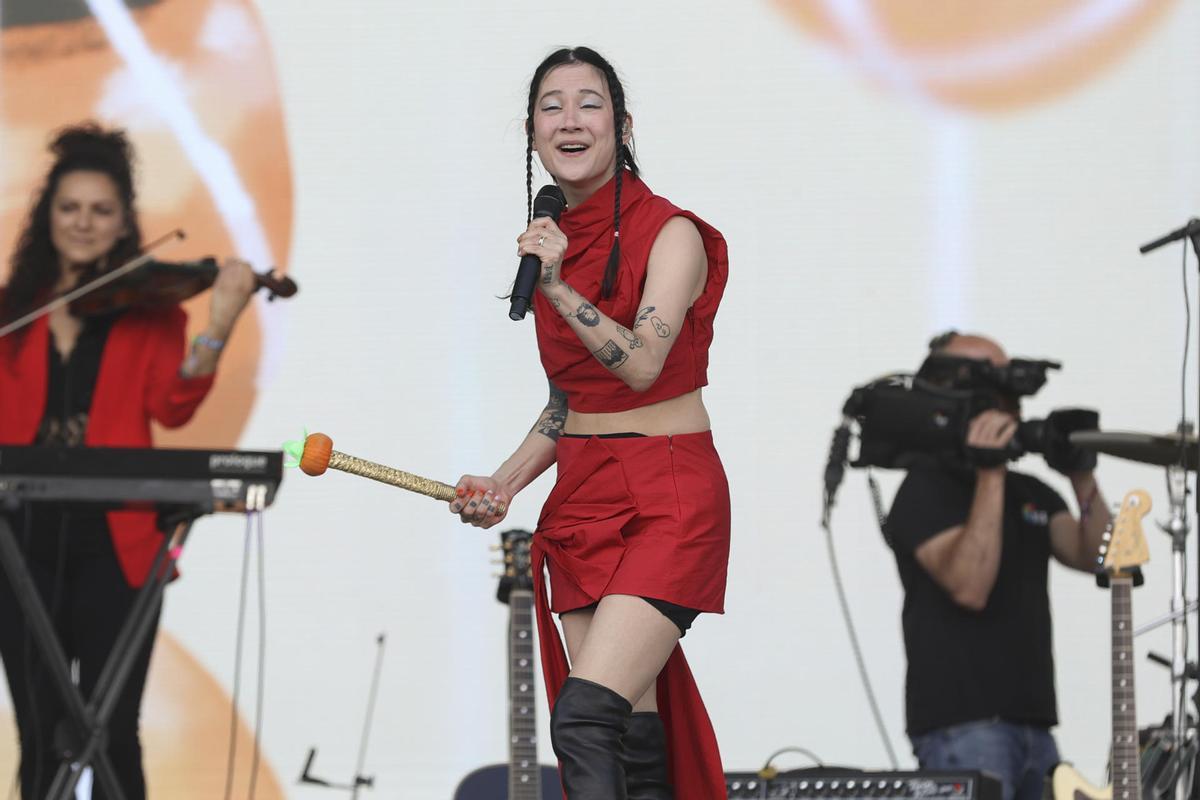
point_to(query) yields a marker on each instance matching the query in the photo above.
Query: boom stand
(1182, 744)
(1177, 527)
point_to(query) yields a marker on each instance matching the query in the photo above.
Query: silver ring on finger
(541, 240)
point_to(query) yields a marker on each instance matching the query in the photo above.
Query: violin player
(71, 381)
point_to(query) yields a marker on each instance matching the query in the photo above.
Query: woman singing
(635, 533)
(90, 382)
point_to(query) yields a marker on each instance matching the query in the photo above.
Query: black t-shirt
(967, 665)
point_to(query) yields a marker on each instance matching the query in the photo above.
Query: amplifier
(820, 783)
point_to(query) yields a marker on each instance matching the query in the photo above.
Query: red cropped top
(590, 387)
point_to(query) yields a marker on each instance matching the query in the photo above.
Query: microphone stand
(1182, 750)
(359, 779)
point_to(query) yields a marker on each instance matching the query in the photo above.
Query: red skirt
(644, 516)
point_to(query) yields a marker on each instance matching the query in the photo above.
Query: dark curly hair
(35, 267)
(585, 55)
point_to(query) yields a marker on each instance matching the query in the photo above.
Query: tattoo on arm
(661, 328)
(587, 314)
(547, 274)
(554, 416)
(634, 340)
(611, 355)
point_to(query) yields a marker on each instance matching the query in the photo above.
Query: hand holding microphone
(540, 241)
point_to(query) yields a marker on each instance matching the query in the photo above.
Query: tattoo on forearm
(587, 314)
(634, 340)
(642, 315)
(547, 274)
(554, 416)
(661, 328)
(611, 355)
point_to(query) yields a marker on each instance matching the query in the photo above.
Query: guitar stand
(86, 726)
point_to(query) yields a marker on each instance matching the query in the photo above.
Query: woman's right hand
(480, 501)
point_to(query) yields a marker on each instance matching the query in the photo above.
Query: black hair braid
(528, 178)
(614, 256)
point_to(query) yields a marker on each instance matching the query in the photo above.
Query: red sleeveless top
(590, 387)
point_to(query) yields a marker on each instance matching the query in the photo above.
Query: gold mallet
(316, 455)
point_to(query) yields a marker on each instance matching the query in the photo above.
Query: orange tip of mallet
(315, 458)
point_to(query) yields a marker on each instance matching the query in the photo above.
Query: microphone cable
(253, 534)
(237, 661)
(833, 475)
(262, 656)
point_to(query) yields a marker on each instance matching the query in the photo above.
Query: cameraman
(973, 545)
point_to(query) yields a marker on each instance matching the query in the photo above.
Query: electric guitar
(1124, 551)
(522, 778)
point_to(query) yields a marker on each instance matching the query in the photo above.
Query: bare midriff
(683, 414)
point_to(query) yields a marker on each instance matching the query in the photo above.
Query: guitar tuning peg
(495, 548)
(497, 561)
(498, 575)
(1107, 535)
(1103, 549)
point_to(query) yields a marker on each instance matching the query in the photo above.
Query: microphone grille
(549, 202)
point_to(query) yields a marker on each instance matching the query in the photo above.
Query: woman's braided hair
(624, 160)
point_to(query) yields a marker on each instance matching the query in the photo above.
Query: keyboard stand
(88, 724)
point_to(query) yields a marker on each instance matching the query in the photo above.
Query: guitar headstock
(518, 563)
(1125, 547)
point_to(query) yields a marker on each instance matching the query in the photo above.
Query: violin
(155, 284)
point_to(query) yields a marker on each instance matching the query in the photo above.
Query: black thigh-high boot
(586, 727)
(645, 758)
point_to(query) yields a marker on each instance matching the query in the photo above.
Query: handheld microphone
(548, 203)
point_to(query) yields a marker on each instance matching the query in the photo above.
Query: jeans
(1020, 755)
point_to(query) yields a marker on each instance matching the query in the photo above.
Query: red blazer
(139, 381)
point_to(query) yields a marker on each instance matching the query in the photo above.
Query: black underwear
(681, 616)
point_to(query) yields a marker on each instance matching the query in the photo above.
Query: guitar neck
(1126, 783)
(523, 771)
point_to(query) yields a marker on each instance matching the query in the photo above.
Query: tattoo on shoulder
(554, 416)
(611, 355)
(586, 314)
(642, 315)
(634, 340)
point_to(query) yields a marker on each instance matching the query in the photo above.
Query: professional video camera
(904, 420)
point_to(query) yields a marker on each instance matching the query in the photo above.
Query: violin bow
(92, 285)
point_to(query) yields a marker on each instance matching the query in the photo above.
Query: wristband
(207, 341)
